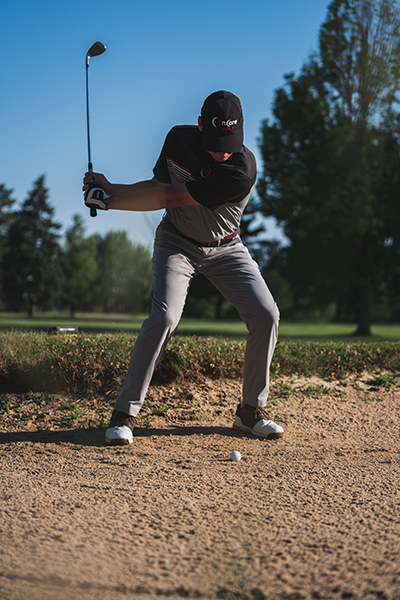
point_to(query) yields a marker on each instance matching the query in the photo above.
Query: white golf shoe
(255, 421)
(120, 430)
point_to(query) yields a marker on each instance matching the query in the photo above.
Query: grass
(386, 380)
(101, 323)
(316, 391)
(80, 373)
(35, 361)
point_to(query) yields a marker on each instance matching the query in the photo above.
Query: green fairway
(101, 323)
(336, 331)
(94, 323)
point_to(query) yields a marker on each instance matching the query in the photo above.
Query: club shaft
(87, 116)
(95, 50)
(93, 211)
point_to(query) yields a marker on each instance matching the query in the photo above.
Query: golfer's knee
(267, 316)
(166, 319)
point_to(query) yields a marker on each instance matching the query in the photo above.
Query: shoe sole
(270, 436)
(117, 442)
(119, 436)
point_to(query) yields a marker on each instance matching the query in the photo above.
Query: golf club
(95, 50)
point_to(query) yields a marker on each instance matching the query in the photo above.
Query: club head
(96, 49)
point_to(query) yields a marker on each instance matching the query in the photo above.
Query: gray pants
(176, 260)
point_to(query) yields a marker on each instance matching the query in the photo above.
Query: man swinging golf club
(203, 179)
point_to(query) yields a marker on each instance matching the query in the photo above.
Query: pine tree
(6, 216)
(32, 264)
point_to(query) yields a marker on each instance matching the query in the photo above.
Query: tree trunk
(338, 317)
(364, 315)
(218, 306)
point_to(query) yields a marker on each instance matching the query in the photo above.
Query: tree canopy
(32, 262)
(331, 161)
(6, 216)
(125, 274)
(81, 269)
(85, 273)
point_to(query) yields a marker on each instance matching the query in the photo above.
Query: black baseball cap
(222, 120)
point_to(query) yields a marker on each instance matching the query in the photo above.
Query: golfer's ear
(200, 124)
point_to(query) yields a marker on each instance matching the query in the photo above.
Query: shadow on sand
(95, 437)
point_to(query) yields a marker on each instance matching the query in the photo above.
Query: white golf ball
(235, 455)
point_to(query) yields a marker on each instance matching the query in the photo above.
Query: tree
(251, 228)
(6, 216)
(267, 253)
(32, 263)
(139, 281)
(331, 160)
(80, 268)
(125, 274)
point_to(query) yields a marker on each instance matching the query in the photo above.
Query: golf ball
(235, 455)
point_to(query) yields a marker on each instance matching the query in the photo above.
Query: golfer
(203, 179)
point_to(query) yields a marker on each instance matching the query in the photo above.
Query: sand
(315, 514)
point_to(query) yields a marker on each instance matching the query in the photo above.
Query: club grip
(93, 211)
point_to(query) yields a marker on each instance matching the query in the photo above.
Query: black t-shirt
(209, 182)
(221, 189)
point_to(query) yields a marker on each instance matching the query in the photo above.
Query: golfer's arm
(118, 189)
(149, 195)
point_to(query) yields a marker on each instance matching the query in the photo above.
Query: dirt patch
(315, 514)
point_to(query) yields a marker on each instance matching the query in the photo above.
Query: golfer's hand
(95, 197)
(92, 179)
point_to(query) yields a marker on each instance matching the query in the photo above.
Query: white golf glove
(95, 198)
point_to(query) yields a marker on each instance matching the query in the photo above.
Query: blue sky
(162, 60)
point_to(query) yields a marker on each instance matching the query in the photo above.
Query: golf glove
(95, 198)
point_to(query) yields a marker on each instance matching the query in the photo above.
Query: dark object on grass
(67, 330)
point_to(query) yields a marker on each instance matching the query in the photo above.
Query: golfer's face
(220, 156)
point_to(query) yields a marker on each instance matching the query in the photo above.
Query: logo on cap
(226, 125)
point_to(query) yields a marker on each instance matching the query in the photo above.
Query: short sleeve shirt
(221, 189)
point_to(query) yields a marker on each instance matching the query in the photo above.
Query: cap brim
(225, 143)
